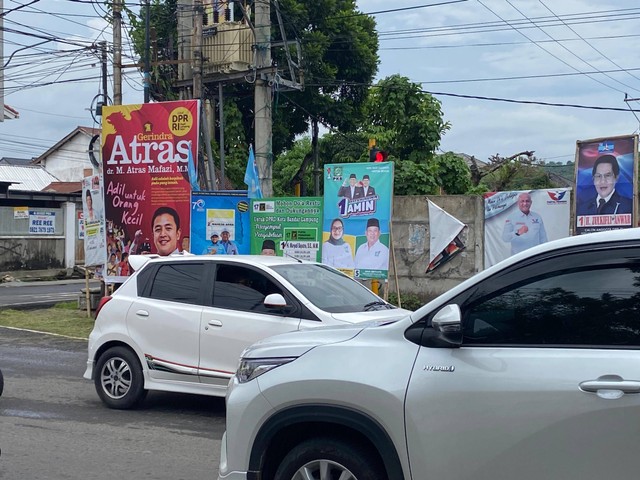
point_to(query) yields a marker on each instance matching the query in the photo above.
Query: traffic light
(377, 155)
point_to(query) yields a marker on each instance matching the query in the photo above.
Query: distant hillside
(564, 171)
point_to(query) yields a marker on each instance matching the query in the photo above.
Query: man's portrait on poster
(605, 197)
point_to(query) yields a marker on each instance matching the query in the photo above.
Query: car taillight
(102, 303)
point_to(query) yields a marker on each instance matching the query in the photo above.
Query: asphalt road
(53, 426)
(41, 294)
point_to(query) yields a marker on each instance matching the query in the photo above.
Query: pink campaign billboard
(146, 151)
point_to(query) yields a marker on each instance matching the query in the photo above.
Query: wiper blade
(374, 305)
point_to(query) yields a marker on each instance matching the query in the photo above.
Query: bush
(410, 301)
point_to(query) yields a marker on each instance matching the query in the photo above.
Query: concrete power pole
(197, 49)
(117, 52)
(1, 66)
(262, 98)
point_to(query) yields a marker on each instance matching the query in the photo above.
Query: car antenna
(283, 245)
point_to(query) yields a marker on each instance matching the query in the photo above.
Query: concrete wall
(22, 251)
(410, 230)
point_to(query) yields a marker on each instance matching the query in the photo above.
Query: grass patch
(62, 319)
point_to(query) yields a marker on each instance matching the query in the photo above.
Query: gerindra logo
(556, 196)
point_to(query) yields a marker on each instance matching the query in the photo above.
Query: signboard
(293, 224)
(146, 153)
(42, 223)
(517, 220)
(217, 213)
(606, 182)
(21, 213)
(95, 251)
(357, 214)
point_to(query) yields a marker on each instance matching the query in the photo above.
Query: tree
(445, 174)
(521, 171)
(340, 48)
(164, 34)
(407, 121)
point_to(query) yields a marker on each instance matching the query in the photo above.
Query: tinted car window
(582, 307)
(178, 282)
(241, 288)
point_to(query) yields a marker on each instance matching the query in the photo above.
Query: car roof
(137, 261)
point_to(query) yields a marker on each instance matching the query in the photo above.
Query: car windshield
(329, 289)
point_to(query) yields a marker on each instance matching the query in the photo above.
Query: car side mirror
(274, 300)
(446, 328)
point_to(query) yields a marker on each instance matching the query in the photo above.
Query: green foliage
(410, 301)
(287, 165)
(564, 170)
(236, 146)
(452, 173)
(340, 51)
(164, 33)
(405, 121)
(443, 174)
(349, 147)
(62, 319)
(515, 175)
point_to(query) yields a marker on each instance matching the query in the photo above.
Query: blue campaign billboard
(224, 215)
(357, 215)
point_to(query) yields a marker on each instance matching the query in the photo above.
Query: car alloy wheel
(119, 381)
(329, 459)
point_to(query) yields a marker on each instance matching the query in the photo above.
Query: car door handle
(215, 323)
(142, 313)
(611, 383)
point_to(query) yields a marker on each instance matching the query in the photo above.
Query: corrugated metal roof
(26, 178)
(64, 187)
(10, 113)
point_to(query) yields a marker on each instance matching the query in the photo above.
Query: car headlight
(251, 368)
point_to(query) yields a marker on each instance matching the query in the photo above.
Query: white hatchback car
(180, 322)
(529, 370)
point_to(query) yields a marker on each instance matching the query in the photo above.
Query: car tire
(1, 382)
(118, 379)
(334, 458)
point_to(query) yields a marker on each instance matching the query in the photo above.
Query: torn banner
(444, 242)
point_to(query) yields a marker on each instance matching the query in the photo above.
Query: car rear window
(178, 282)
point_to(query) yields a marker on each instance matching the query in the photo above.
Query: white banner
(518, 220)
(95, 249)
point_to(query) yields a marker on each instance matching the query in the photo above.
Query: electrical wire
(573, 54)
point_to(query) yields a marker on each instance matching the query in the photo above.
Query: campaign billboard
(606, 182)
(515, 221)
(357, 215)
(95, 252)
(291, 225)
(146, 152)
(223, 218)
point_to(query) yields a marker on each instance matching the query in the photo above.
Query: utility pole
(197, 49)
(117, 52)
(147, 52)
(1, 66)
(262, 98)
(221, 120)
(105, 96)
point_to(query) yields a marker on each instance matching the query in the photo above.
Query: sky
(510, 74)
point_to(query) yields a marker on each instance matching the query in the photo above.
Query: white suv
(529, 370)
(180, 322)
